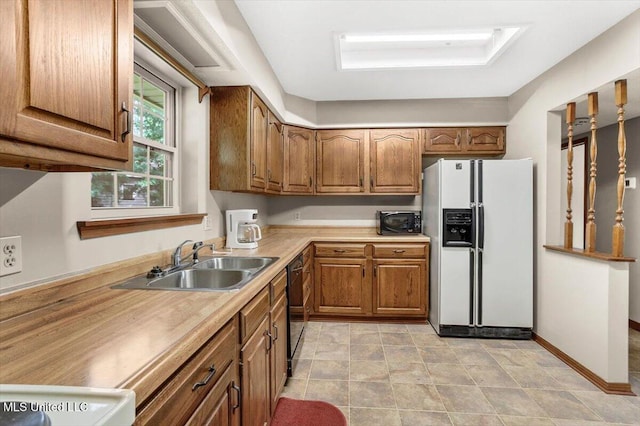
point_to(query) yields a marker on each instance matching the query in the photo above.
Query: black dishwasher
(295, 312)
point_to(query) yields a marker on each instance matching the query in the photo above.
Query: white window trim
(123, 212)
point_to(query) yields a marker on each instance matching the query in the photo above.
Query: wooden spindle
(590, 229)
(618, 227)
(568, 225)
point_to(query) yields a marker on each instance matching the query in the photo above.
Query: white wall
(535, 131)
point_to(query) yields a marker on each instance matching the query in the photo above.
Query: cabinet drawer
(253, 313)
(400, 250)
(176, 401)
(340, 250)
(278, 286)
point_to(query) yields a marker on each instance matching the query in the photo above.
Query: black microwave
(399, 222)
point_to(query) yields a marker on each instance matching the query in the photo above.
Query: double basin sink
(210, 274)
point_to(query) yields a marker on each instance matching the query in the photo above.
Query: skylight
(458, 48)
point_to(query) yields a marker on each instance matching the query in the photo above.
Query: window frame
(173, 128)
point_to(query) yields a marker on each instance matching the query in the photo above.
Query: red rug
(295, 412)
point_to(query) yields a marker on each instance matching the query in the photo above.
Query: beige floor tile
(367, 353)
(333, 336)
(374, 416)
(438, 355)
(532, 377)
(393, 328)
(449, 374)
(301, 368)
(369, 371)
(295, 388)
(424, 418)
(306, 350)
(526, 421)
(459, 342)
(461, 419)
(542, 358)
(612, 408)
(400, 354)
(634, 380)
(513, 402)
(527, 344)
(329, 370)
(512, 357)
(474, 356)
(570, 379)
(499, 344)
(421, 328)
(491, 375)
(337, 326)
(365, 338)
(332, 351)
(371, 394)
(403, 339)
(335, 392)
(562, 405)
(427, 340)
(464, 399)
(409, 372)
(565, 422)
(363, 327)
(417, 397)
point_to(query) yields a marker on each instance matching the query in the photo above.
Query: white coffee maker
(242, 230)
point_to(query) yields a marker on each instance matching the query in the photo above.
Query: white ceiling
(297, 37)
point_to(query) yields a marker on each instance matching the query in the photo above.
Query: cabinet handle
(212, 372)
(275, 327)
(361, 181)
(339, 251)
(310, 181)
(371, 181)
(128, 129)
(239, 392)
(375, 271)
(363, 272)
(269, 174)
(398, 251)
(253, 168)
(269, 340)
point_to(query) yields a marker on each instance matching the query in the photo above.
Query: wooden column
(618, 227)
(568, 225)
(590, 229)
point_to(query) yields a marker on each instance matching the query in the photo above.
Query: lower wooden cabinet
(220, 406)
(255, 377)
(278, 353)
(371, 280)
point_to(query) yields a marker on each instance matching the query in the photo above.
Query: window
(151, 183)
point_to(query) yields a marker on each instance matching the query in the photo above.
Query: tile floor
(396, 374)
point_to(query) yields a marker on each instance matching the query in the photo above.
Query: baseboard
(611, 388)
(634, 325)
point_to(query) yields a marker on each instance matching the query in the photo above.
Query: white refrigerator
(479, 215)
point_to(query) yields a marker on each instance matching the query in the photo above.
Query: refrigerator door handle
(472, 265)
(481, 226)
(479, 298)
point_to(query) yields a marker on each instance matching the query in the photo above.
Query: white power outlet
(10, 255)
(296, 216)
(206, 223)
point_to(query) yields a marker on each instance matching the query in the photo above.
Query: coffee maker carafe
(242, 228)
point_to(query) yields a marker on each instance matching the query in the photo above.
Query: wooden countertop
(135, 339)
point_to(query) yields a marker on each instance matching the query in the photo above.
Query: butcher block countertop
(134, 339)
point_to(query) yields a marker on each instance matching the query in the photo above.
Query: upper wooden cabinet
(395, 160)
(258, 131)
(275, 155)
(299, 160)
(464, 141)
(67, 70)
(340, 166)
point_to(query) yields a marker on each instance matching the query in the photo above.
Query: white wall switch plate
(10, 255)
(206, 223)
(296, 216)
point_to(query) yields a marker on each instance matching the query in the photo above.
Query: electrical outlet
(630, 183)
(206, 223)
(10, 255)
(296, 216)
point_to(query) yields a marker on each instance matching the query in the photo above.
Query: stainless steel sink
(211, 274)
(234, 263)
(202, 279)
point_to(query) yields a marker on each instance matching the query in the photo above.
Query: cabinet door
(341, 286)
(221, 405)
(443, 140)
(254, 356)
(275, 153)
(258, 143)
(485, 139)
(278, 351)
(67, 68)
(340, 161)
(299, 164)
(400, 287)
(395, 160)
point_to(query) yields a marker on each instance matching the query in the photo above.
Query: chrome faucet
(177, 254)
(197, 248)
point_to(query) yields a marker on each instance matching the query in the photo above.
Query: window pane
(132, 191)
(159, 189)
(154, 98)
(159, 163)
(137, 85)
(137, 117)
(153, 127)
(102, 189)
(140, 158)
